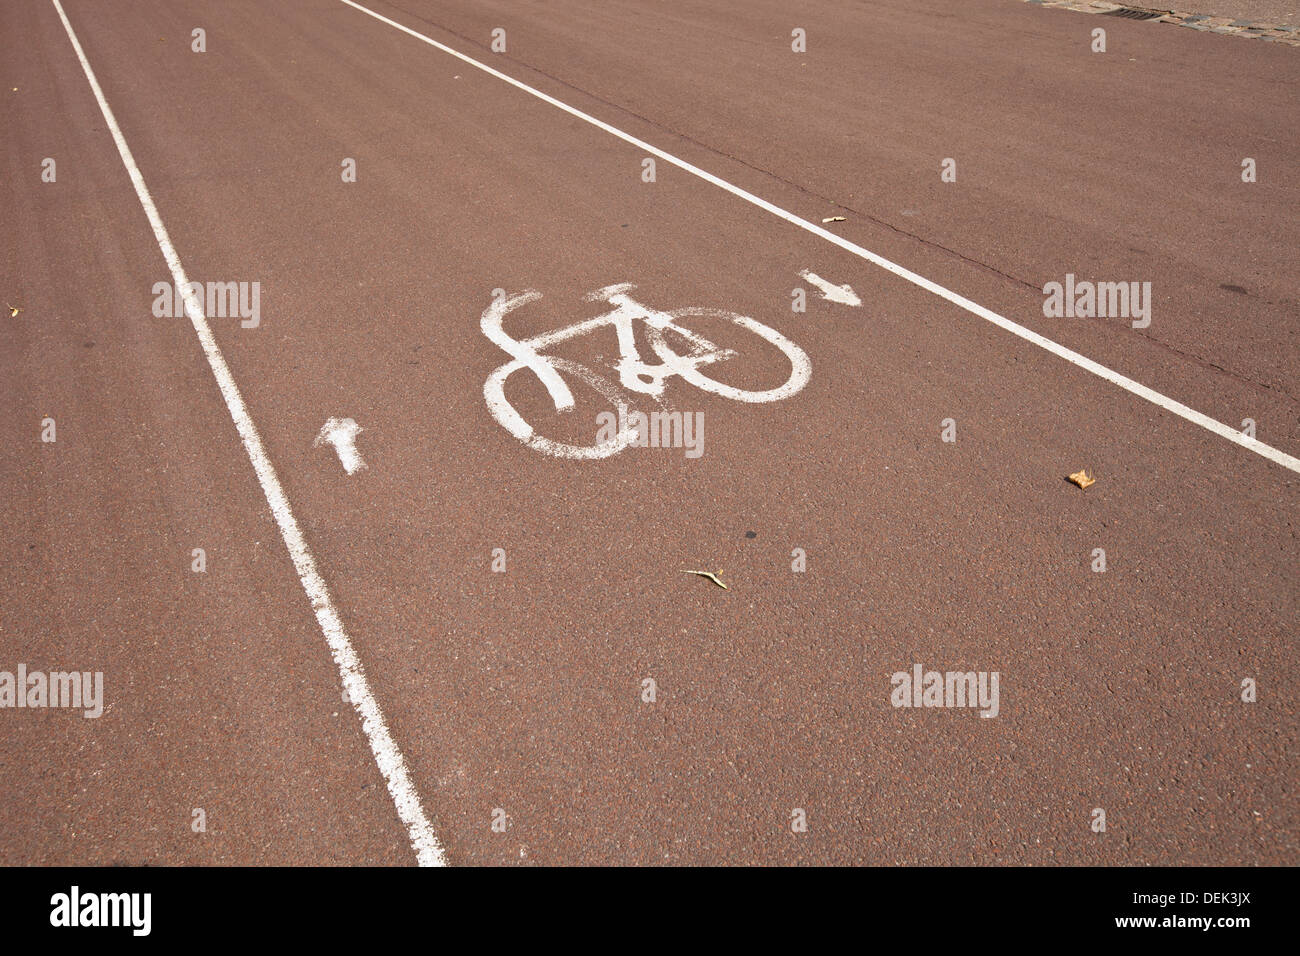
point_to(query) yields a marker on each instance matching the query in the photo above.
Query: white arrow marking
(834, 293)
(342, 434)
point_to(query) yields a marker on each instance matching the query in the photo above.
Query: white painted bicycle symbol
(634, 373)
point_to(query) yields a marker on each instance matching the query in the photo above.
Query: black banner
(1220, 906)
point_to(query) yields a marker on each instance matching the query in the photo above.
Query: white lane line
(1137, 388)
(392, 765)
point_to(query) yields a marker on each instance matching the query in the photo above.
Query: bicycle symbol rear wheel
(514, 423)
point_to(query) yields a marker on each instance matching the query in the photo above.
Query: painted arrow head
(342, 434)
(843, 294)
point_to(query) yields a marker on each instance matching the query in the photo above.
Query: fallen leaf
(711, 576)
(13, 310)
(1082, 479)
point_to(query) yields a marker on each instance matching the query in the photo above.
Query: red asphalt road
(521, 690)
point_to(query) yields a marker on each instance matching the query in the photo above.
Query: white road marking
(832, 292)
(392, 765)
(342, 434)
(635, 374)
(1082, 361)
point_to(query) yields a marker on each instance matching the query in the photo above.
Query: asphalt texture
(518, 696)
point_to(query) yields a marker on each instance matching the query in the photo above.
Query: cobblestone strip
(1274, 33)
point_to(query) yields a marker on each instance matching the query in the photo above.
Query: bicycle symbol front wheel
(689, 367)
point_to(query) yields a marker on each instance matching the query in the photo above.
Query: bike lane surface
(221, 736)
(522, 690)
(1064, 161)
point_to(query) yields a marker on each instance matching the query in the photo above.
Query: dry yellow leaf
(1082, 479)
(711, 576)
